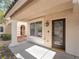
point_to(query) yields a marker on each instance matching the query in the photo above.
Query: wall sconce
(47, 23)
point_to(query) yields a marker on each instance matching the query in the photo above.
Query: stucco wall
(47, 31)
(19, 28)
(8, 29)
(50, 17)
(72, 29)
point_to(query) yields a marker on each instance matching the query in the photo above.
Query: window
(36, 29)
(1, 29)
(32, 29)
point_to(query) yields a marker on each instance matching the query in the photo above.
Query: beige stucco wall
(59, 15)
(47, 36)
(8, 29)
(19, 29)
(72, 29)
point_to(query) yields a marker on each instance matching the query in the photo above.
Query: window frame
(37, 20)
(3, 29)
(36, 29)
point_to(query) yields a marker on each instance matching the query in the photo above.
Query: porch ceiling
(40, 8)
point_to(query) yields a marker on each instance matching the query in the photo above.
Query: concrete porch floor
(21, 49)
(63, 55)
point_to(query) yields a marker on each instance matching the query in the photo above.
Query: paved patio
(63, 55)
(21, 50)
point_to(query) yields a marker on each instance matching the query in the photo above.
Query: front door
(58, 33)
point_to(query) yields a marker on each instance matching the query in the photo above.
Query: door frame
(64, 31)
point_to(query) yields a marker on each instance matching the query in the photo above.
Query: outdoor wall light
(47, 23)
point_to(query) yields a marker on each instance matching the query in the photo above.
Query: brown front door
(58, 33)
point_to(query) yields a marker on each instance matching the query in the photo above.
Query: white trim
(37, 20)
(38, 40)
(16, 7)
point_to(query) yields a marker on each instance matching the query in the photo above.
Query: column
(13, 33)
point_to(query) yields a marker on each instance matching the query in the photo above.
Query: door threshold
(58, 50)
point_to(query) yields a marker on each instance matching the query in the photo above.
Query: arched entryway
(22, 30)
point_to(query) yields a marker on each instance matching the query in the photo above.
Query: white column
(72, 37)
(76, 6)
(13, 33)
(76, 1)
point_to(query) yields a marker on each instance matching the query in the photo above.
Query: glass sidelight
(58, 33)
